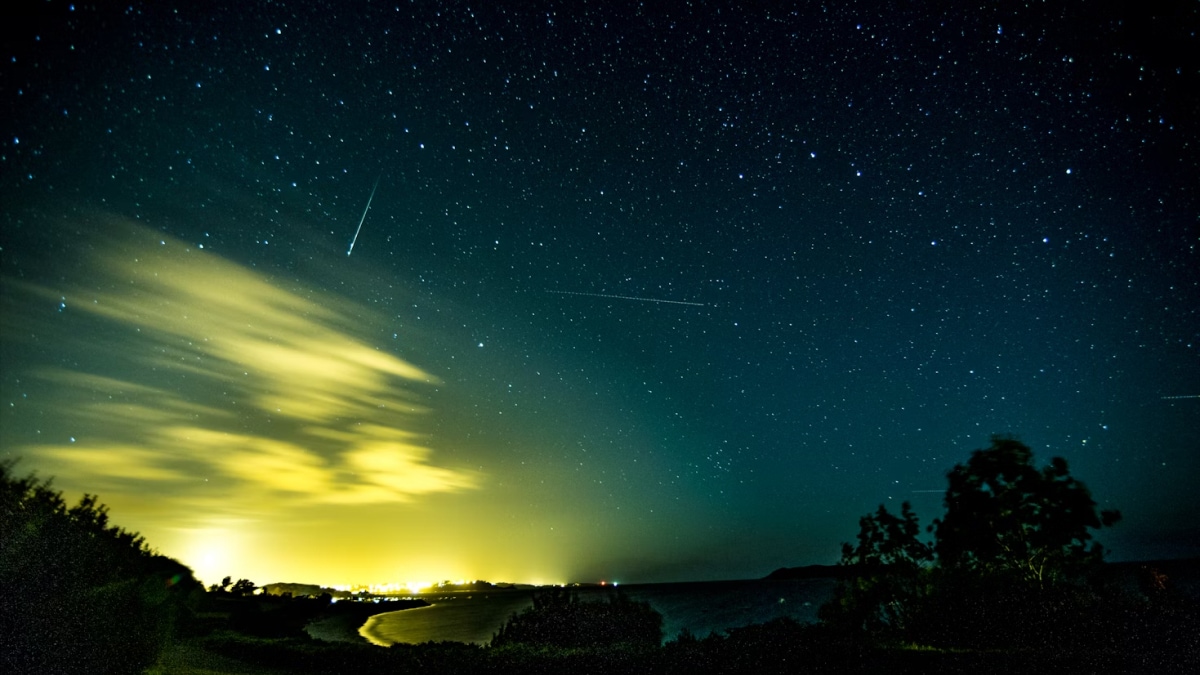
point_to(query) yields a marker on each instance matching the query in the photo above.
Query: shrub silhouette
(891, 570)
(559, 619)
(1008, 566)
(1005, 517)
(80, 595)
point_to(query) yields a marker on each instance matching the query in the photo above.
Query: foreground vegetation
(78, 595)
(1150, 641)
(1008, 581)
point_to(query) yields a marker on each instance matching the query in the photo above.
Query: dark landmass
(1184, 569)
(303, 590)
(1180, 575)
(480, 585)
(807, 572)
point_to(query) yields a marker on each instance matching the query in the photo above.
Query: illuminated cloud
(129, 463)
(390, 465)
(210, 370)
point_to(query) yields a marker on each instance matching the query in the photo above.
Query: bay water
(699, 607)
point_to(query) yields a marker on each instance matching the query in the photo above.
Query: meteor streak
(364, 216)
(630, 297)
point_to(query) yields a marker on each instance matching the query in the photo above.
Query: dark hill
(806, 572)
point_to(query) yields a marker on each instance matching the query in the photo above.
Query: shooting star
(1173, 398)
(630, 297)
(364, 216)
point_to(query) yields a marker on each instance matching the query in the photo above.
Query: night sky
(642, 294)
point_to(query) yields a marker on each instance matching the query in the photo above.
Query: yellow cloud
(219, 369)
(398, 468)
(115, 461)
(264, 462)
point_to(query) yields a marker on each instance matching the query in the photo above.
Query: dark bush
(559, 619)
(79, 595)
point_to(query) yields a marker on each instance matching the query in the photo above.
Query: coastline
(366, 630)
(343, 621)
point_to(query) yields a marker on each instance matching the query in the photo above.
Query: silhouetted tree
(242, 588)
(889, 542)
(1003, 516)
(889, 573)
(1005, 564)
(559, 619)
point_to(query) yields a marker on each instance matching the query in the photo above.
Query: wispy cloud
(211, 370)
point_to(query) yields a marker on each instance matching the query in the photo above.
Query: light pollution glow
(245, 429)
